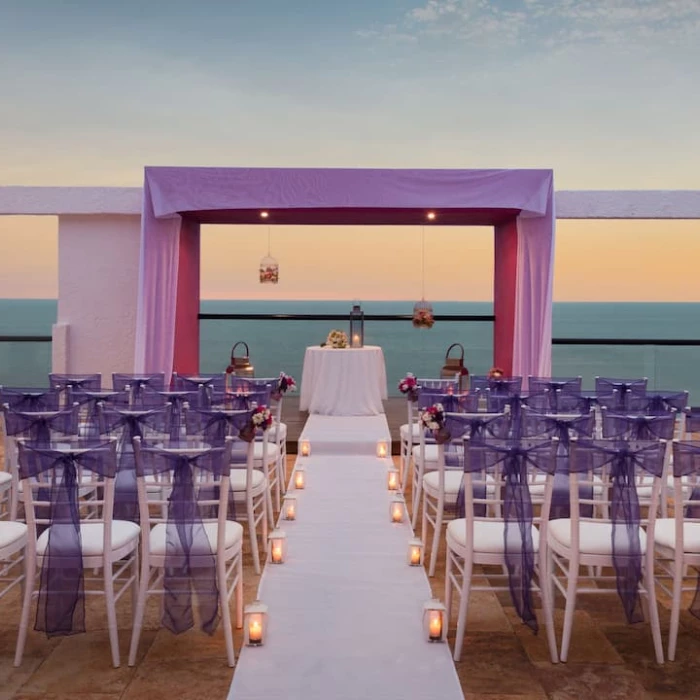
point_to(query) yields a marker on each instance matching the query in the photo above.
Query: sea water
(279, 344)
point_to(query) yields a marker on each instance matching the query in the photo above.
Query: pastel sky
(605, 92)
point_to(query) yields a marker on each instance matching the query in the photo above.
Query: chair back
(30, 399)
(67, 384)
(184, 487)
(613, 470)
(53, 477)
(616, 394)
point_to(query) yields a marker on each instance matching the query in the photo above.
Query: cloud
(552, 22)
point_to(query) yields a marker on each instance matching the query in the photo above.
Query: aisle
(345, 609)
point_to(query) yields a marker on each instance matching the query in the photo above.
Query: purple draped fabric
(142, 388)
(89, 424)
(625, 427)
(616, 394)
(68, 384)
(176, 401)
(215, 426)
(659, 402)
(459, 427)
(39, 426)
(126, 425)
(502, 386)
(623, 460)
(515, 458)
(190, 563)
(563, 428)
(61, 606)
(686, 463)
(692, 421)
(30, 399)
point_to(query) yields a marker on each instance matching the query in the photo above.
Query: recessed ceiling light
(431, 215)
(264, 214)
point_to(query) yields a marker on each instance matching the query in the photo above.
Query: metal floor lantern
(269, 267)
(357, 326)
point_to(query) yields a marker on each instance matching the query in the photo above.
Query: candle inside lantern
(276, 552)
(290, 509)
(299, 480)
(305, 448)
(356, 340)
(397, 512)
(382, 449)
(415, 555)
(255, 629)
(392, 480)
(435, 625)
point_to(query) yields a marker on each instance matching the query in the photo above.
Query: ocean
(280, 345)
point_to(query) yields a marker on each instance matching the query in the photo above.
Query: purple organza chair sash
(141, 387)
(68, 384)
(692, 421)
(622, 460)
(686, 463)
(564, 385)
(563, 428)
(175, 408)
(39, 426)
(61, 606)
(616, 394)
(30, 399)
(459, 427)
(190, 563)
(654, 402)
(88, 400)
(192, 382)
(215, 426)
(514, 459)
(654, 427)
(505, 385)
(125, 425)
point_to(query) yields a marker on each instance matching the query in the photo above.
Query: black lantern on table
(357, 327)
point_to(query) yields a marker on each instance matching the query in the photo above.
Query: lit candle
(290, 508)
(382, 449)
(415, 554)
(435, 625)
(299, 480)
(255, 629)
(392, 480)
(397, 512)
(305, 448)
(276, 553)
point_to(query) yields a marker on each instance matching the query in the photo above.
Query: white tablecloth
(350, 382)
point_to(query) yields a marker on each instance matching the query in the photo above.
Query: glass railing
(25, 360)
(278, 342)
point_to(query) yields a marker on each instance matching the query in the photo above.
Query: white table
(348, 382)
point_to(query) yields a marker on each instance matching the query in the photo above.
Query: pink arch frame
(518, 203)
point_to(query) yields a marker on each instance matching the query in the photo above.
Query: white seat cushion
(594, 537)
(431, 454)
(665, 535)
(277, 432)
(238, 479)
(488, 535)
(273, 452)
(453, 481)
(234, 533)
(11, 532)
(92, 536)
(406, 434)
(5, 480)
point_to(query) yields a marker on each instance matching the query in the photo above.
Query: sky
(604, 92)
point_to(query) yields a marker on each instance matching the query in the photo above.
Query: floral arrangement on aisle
(285, 383)
(262, 417)
(408, 386)
(433, 418)
(336, 339)
(423, 318)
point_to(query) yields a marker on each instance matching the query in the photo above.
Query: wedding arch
(177, 200)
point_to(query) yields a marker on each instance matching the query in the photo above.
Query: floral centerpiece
(408, 386)
(433, 419)
(336, 339)
(285, 383)
(423, 318)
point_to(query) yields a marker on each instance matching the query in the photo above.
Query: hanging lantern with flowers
(269, 267)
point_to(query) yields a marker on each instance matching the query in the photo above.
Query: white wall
(98, 263)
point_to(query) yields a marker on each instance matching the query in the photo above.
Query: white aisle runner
(345, 610)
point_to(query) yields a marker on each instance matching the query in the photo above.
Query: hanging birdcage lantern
(422, 310)
(269, 267)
